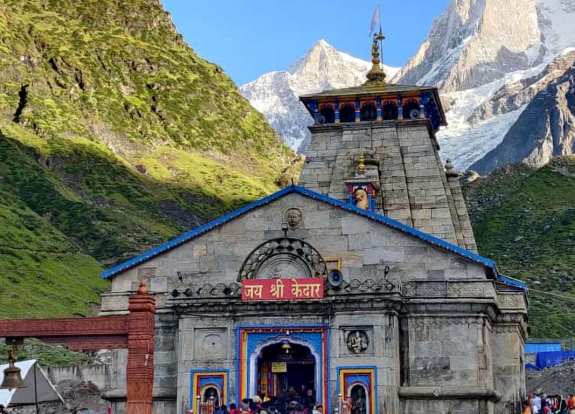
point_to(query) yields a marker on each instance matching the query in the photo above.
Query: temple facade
(362, 284)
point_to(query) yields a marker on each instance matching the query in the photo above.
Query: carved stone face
(293, 217)
(361, 199)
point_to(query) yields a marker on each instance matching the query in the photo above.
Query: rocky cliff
(545, 129)
(475, 42)
(491, 58)
(115, 136)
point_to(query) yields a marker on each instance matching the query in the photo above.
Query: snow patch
(275, 94)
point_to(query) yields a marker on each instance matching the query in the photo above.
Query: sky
(248, 38)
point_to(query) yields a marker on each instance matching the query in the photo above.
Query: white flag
(374, 20)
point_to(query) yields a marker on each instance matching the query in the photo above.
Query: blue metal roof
(316, 196)
(511, 281)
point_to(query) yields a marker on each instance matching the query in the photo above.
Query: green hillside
(115, 136)
(524, 219)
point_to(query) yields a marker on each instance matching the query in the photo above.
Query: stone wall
(364, 247)
(445, 358)
(414, 187)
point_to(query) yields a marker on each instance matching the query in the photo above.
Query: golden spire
(376, 75)
(360, 169)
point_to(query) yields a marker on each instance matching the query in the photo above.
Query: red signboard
(282, 289)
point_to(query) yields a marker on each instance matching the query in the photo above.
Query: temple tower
(374, 146)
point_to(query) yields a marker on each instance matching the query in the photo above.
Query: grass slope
(67, 209)
(115, 136)
(524, 219)
(41, 269)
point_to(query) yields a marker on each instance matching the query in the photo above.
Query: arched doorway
(284, 364)
(411, 110)
(389, 111)
(210, 394)
(357, 394)
(368, 112)
(347, 113)
(328, 114)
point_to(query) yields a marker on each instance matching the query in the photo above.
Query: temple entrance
(283, 368)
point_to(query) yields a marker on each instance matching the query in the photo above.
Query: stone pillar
(508, 336)
(140, 367)
(422, 102)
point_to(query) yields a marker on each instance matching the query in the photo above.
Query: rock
(475, 42)
(469, 177)
(546, 128)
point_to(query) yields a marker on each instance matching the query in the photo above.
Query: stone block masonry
(414, 187)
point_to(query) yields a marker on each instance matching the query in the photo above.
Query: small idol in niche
(361, 198)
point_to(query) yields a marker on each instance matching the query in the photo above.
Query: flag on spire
(375, 20)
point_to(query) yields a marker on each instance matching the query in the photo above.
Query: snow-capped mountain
(275, 94)
(492, 59)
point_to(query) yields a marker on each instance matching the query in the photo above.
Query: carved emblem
(357, 342)
(293, 217)
(283, 257)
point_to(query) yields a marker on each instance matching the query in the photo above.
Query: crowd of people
(543, 403)
(287, 402)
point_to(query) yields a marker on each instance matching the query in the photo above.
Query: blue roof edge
(311, 194)
(513, 282)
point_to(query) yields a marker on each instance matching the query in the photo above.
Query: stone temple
(363, 283)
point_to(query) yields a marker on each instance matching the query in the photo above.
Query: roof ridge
(170, 244)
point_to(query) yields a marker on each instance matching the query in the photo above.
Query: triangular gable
(316, 196)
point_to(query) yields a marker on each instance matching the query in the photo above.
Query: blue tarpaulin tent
(535, 347)
(549, 359)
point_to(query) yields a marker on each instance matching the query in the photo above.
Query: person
(537, 401)
(318, 409)
(525, 408)
(234, 409)
(563, 408)
(302, 392)
(571, 404)
(532, 406)
(272, 409)
(245, 406)
(358, 402)
(309, 400)
(3, 409)
(548, 401)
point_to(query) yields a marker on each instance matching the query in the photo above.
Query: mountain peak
(322, 67)
(322, 45)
